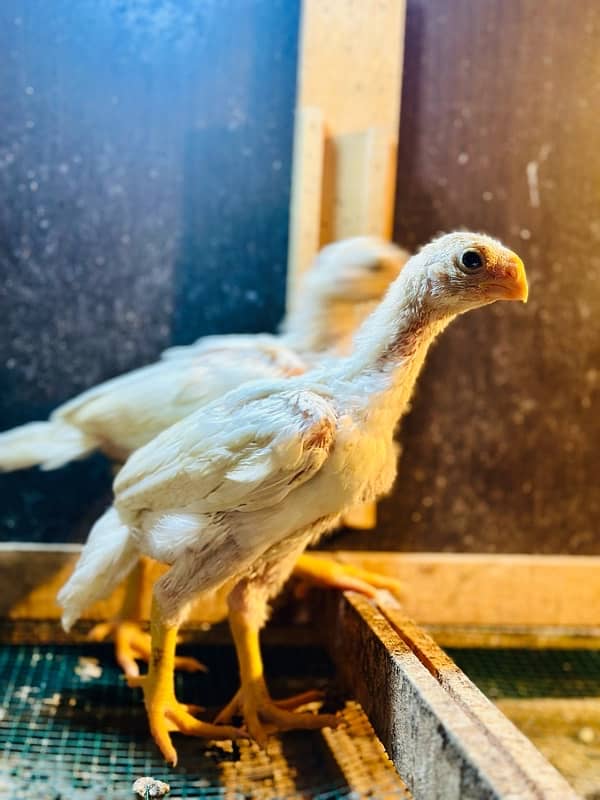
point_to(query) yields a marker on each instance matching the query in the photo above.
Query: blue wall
(145, 158)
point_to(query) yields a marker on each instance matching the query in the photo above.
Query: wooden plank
(43, 569)
(305, 201)
(466, 695)
(351, 62)
(506, 637)
(460, 589)
(445, 738)
(355, 197)
(349, 80)
(359, 190)
(485, 596)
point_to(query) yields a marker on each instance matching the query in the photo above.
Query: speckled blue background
(145, 153)
(145, 157)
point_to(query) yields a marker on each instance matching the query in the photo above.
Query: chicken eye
(376, 266)
(471, 260)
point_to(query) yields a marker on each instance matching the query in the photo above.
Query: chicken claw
(257, 707)
(253, 697)
(235, 705)
(320, 570)
(167, 715)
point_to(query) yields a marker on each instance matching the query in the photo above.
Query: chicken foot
(322, 570)
(165, 713)
(261, 713)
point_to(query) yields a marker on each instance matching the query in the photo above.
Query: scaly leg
(245, 616)
(322, 570)
(131, 641)
(165, 713)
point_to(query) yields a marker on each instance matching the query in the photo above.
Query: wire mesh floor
(553, 696)
(70, 728)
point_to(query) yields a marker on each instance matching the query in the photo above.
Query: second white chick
(120, 415)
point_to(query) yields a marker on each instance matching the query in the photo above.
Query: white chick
(121, 415)
(234, 493)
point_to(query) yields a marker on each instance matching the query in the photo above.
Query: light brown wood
(438, 728)
(486, 596)
(306, 195)
(361, 518)
(351, 62)
(506, 637)
(493, 590)
(347, 120)
(358, 184)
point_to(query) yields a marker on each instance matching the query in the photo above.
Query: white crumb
(88, 668)
(149, 787)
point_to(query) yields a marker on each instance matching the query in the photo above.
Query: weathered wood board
(446, 739)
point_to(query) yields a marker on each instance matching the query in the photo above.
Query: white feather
(50, 444)
(108, 556)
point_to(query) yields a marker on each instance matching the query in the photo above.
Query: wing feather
(128, 411)
(246, 451)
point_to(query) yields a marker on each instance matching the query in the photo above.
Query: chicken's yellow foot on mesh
(261, 713)
(235, 705)
(165, 713)
(321, 570)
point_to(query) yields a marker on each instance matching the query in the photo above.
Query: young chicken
(232, 495)
(347, 279)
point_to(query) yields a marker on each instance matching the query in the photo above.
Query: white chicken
(232, 495)
(120, 415)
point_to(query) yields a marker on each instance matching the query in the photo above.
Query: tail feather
(107, 558)
(47, 444)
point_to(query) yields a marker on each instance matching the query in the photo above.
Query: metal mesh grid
(553, 696)
(531, 673)
(71, 728)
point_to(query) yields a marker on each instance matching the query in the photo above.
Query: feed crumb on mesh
(150, 787)
(88, 668)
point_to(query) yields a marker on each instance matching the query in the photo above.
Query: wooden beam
(438, 728)
(460, 589)
(306, 194)
(500, 600)
(349, 90)
(351, 62)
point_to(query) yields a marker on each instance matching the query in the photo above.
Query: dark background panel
(145, 157)
(145, 153)
(500, 132)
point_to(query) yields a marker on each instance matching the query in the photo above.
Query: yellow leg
(321, 570)
(132, 643)
(253, 698)
(165, 713)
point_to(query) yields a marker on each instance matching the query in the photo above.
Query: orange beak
(511, 278)
(521, 288)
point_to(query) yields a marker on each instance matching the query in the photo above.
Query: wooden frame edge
(438, 728)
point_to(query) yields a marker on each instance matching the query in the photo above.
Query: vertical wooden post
(349, 89)
(346, 137)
